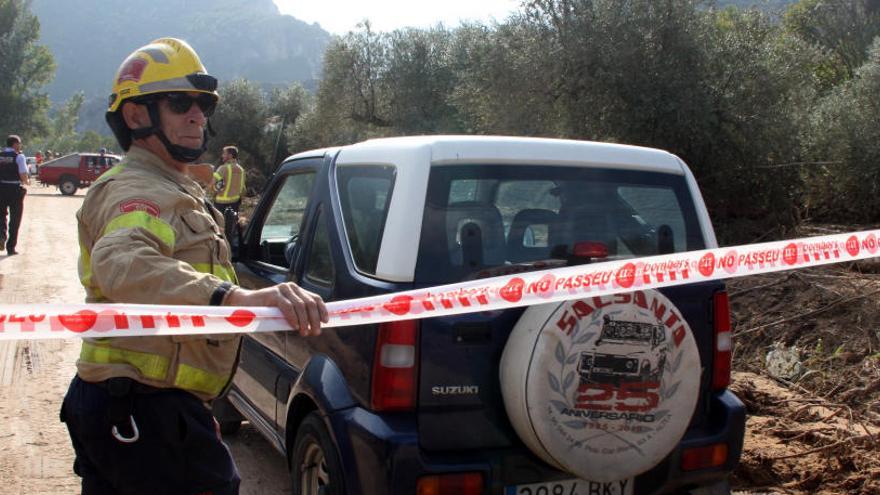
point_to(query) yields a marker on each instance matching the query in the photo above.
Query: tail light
(723, 344)
(590, 249)
(451, 484)
(704, 457)
(395, 367)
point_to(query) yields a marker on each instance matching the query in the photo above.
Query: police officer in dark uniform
(13, 173)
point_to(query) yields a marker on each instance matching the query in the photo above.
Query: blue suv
(623, 394)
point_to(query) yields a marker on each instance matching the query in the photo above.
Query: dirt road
(35, 452)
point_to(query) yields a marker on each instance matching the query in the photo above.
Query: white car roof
(520, 150)
(414, 156)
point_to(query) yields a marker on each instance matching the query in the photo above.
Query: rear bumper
(726, 424)
(380, 454)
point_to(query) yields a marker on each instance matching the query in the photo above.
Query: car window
(657, 206)
(486, 216)
(283, 221)
(67, 161)
(364, 196)
(319, 262)
(515, 196)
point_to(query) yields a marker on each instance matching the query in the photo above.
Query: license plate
(573, 487)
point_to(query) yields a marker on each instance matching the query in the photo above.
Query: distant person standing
(229, 181)
(39, 158)
(13, 177)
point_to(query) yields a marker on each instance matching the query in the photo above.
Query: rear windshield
(480, 218)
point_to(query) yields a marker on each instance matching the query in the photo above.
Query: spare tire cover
(602, 387)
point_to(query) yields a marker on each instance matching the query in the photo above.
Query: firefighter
(229, 181)
(137, 409)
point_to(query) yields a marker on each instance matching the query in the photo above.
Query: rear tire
(314, 462)
(68, 186)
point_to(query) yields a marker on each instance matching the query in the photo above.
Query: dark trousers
(222, 206)
(12, 199)
(179, 450)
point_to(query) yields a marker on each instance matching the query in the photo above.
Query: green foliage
(256, 122)
(760, 92)
(729, 91)
(352, 102)
(503, 83)
(239, 121)
(92, 141)
(63, 124)
(287, 105)
(419, 77)
(842, 30)
(25, 68)
(718, 89)
(62, 137)
(844, 138)
(768, 6)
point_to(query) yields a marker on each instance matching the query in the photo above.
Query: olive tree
(844, 141)
(351, 102)
(240, 121)
(419, 80)
(285, 106)
(842, 30)
(503, 82)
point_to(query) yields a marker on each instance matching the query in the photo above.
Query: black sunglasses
(180, 103)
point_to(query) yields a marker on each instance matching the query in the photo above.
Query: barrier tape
(505, 289)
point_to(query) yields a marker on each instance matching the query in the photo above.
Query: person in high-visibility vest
(137, 409)
(229, 181)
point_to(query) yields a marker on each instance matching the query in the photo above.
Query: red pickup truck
(76, 170)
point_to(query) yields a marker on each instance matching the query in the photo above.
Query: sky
(341, 16)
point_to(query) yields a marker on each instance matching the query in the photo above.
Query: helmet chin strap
(179, 153)
(182, 153)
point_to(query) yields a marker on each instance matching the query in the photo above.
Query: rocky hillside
(235, 38)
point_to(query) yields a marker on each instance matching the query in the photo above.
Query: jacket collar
(139, 158)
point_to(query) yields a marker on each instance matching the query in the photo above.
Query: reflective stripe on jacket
(148, 236)
(232, 176)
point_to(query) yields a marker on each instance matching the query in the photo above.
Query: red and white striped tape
(30, 321)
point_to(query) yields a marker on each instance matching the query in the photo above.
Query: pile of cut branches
(818, 429)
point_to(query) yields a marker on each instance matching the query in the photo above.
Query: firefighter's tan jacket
(148, 236)
(230, 181)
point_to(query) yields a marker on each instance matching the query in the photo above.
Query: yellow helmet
(166, 64)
